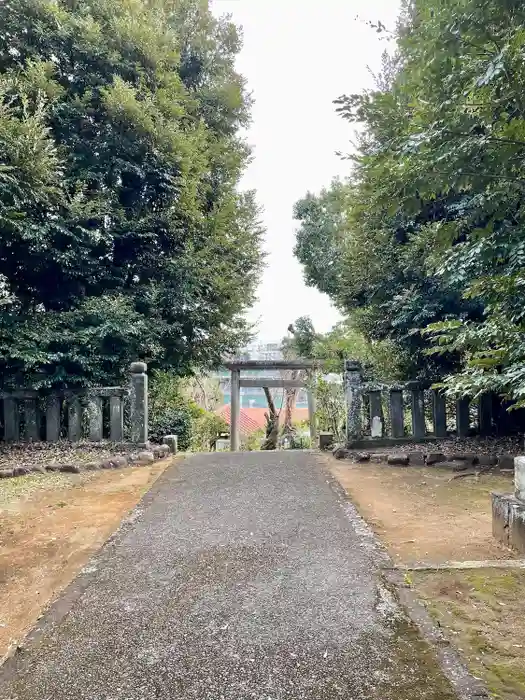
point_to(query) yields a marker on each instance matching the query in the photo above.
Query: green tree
(320, 239)
(433, 205)
(122, 231)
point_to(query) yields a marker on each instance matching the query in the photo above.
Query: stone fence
(368, 423)
(96, 413)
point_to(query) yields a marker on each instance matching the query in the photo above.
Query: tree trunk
(272, 423)
(289, 405)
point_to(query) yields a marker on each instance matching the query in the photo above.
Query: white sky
(298, 56)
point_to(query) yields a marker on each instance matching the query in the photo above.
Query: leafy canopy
(122, 231)
(433, 217)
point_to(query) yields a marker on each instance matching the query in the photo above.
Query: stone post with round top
(139, 403)
(354, 400)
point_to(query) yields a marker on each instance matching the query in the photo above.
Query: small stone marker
(326, 440)
(377, 427)
(172, 442)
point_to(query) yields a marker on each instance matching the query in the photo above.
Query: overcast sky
(298, 56)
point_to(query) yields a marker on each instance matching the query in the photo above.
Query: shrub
(253, 442)
(172, 421)
(206, 428)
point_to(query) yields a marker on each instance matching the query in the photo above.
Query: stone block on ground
(416, 459)
(460, 466)
(398, 459)
(21, 471)
(53, 467)
(487, 460)
(455, 466)
(107, 464)
(119, 461)
(517, 525)
(508, 521)
(92, 466)
(146, 457)
(341, 453)
(165, 449)
(380, 458)
(467, 457)
(6, 473)
(70, 468)
(360, 457)
(506, 462)
(500, 517)
(38, 469)
(435, 458)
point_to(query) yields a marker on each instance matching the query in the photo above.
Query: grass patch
(483, 613)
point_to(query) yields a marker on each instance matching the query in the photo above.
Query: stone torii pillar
(235, 410)
(312, 408)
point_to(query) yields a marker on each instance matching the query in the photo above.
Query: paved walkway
(239, 577)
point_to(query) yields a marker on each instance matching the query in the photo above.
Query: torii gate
(237, 382)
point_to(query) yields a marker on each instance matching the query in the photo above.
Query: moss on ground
(482, 611)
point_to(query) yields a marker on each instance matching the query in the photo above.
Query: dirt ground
(50, 526)
(482, 612)
(424, 516)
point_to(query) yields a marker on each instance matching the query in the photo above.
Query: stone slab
(508, 521)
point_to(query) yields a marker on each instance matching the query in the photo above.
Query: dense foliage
(175, 409)
(122, 232)
(433, 223)
(381, 360)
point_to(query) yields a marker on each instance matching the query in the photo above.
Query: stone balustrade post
(462, 417)
(354, 400)
(439, 414)
(397, 413)
(139, 403)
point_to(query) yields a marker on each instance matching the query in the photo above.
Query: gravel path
(238, 577)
